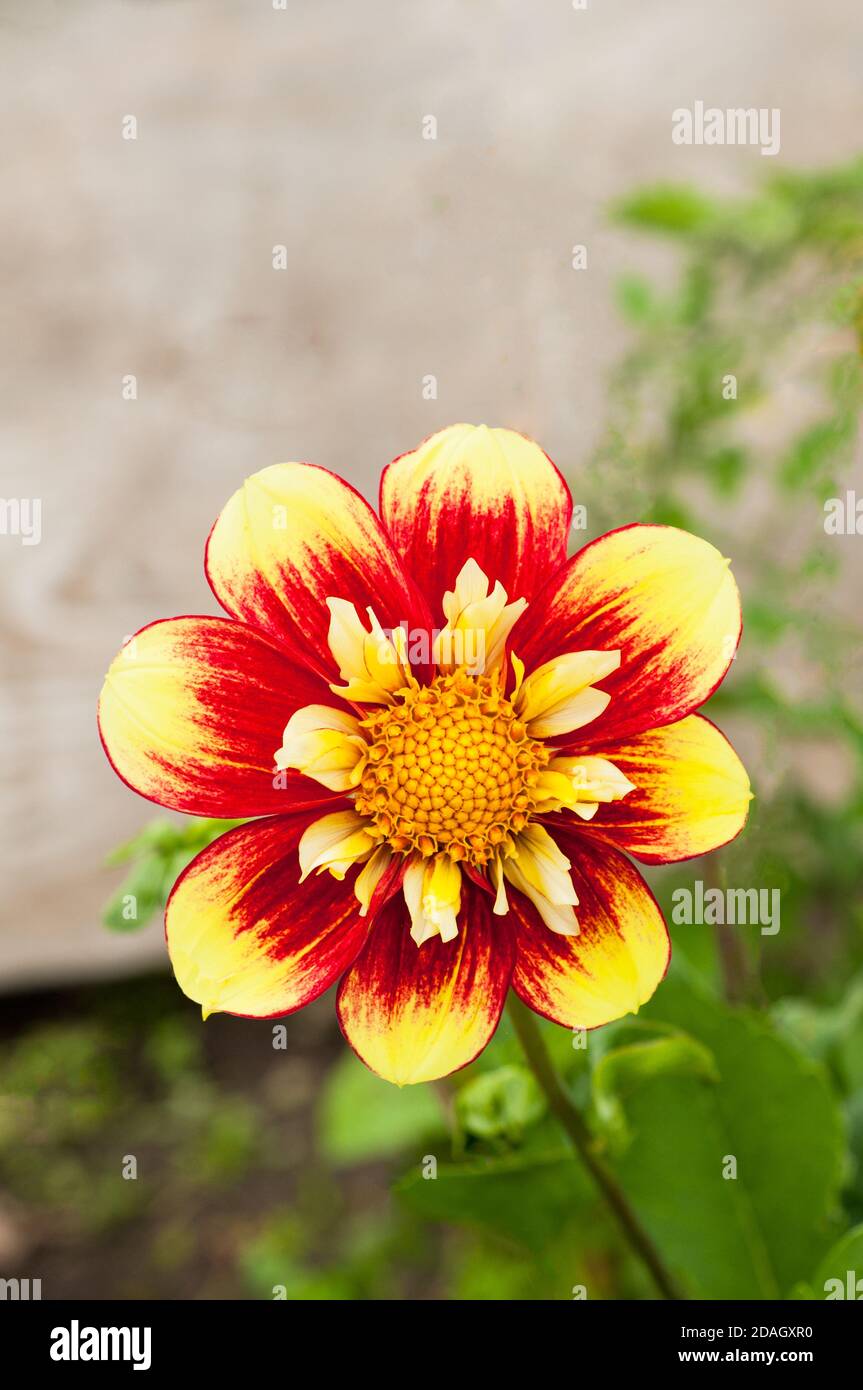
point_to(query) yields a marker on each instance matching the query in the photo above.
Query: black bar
(255, 1337)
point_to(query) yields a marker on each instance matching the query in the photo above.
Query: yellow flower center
(450, 768)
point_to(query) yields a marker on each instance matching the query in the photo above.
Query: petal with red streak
(414, 1013)
(662, 597)
(618, 958)
(470, 492)
(293, 536)
(245, 937)
(691, 793)
(192, 712)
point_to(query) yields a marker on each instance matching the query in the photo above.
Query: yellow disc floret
(450, 768)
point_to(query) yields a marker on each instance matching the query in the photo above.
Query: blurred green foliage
(731, 1110)
(157, 856)
(386, 1129)
(77, 1097)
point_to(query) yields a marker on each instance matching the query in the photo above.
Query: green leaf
(362, 1117)
(139, 897)
(830, 1034)
(773, 1111)
(159, 853)
(500, 1104)
(672, 208)
(624, 1070)
(816, 450)
(845, 1258)
(727, 468)
(636, 299)
(564, 1046)
(523, 1196)
(666, 511)
(159, 835)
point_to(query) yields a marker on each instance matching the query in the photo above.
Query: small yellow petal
(580, 784)
(326, 744)
(585, 810)
(370, 876)
(540, 870)
(596, 779)
(373, 664)
(478, 623)
(559, 696)
(432, 890)
(335, 842)
(501, 904)
(518, 668)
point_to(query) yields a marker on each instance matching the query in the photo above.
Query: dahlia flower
(447, 737)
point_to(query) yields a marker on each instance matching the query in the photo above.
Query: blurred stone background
(405, 257)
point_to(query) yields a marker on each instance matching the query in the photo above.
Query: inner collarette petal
(478, 623)
(335, 842)
(580, 784)
(432, 889)
(559, 696)
(325, 744)
(539, 869)
(374, 663)
(373, 877)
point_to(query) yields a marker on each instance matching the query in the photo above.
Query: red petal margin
(471, 492)
(691, 793)
(246, 937)
(414, 1013)
(192, 712)
(293, 536)
(619, 957)
(662, 597)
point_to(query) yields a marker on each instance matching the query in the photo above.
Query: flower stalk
(585, 1144)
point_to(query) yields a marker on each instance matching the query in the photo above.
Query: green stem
(584, 1142)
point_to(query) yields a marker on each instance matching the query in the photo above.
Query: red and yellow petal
(691, 793)
(293, 536)
(666, 600)
(245, 937)
(414, 1013)
(470, 492)
(618, 958)
(192, 712)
